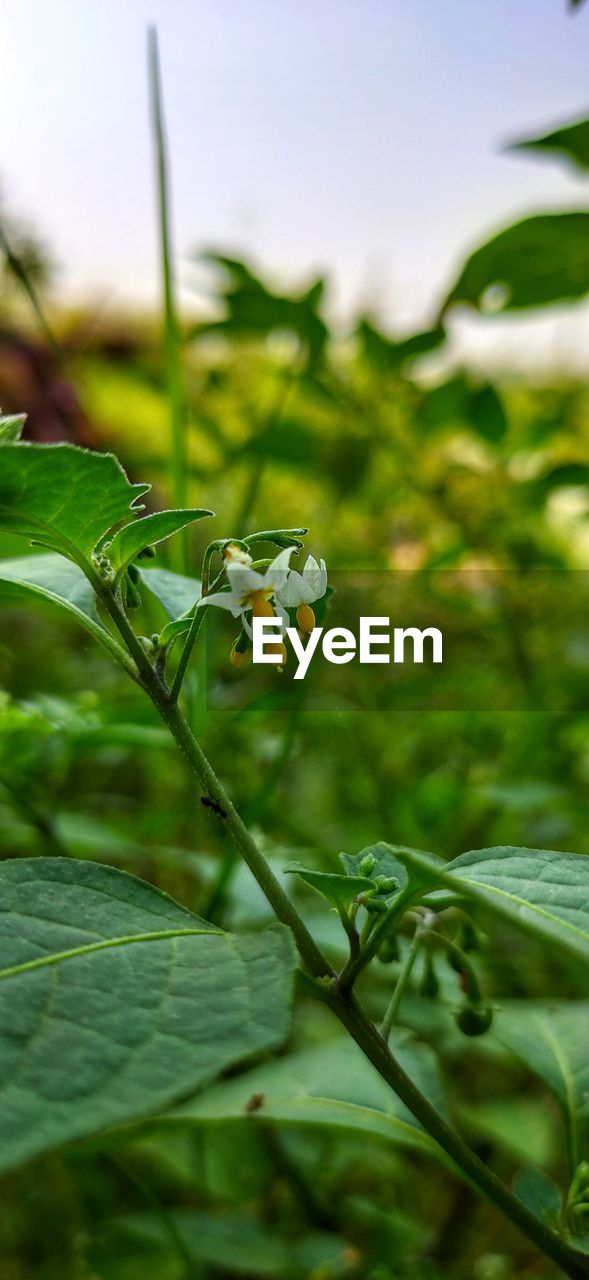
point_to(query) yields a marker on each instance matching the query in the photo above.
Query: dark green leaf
(388, 354)
(176, 592)
(487, 414)
(134, 538)
(66, 498)
(570, 141)
(235, 1244)
(115, 1000)
(254, 309)
(543, 259)
(539, 1194)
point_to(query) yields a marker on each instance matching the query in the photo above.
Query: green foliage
(65, 498)
(185, 1001)
(570, 141)
(538, 261)
(330, 1087)
(539, 890)
(59, 582)
(133, 539)
(551, 1038)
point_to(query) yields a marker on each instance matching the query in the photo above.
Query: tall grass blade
(178, 461)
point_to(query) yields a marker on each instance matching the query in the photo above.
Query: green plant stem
(401, 983)
(192, 634)
(356, 963)
(178, 458)
(21, 274)
(343, 1002)
(346, 1008)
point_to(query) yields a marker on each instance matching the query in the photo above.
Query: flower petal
(224, 600)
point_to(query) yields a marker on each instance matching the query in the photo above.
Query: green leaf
(539, 890)
(570, 141)
(130, 541)
(551, 1038)
(337, 888)
(234, 1244)
(388, 876)
(11, 428)
(539, 1194)
(388, 354)
(56, 581)
(331, 1086)
(542, 260)
(115, 1001)
(176, 592)
(63, 497)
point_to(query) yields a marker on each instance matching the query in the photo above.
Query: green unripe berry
(473, 1018)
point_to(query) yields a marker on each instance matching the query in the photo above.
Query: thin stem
(178, 460)
(189, 643)
(192, 635)
(401, 983)
(20, 273)
(373, 1046)
(370, 945)
(343, 1003)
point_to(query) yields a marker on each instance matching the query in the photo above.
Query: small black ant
(212, 804)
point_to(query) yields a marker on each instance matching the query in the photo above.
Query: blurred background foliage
(395, 460)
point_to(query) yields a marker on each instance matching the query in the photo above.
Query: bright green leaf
(63, 497)
(339, 889)
(11, 428)
(388, 876)
(115, 1001)
(59, 582)
(134, 538)
(543, 259)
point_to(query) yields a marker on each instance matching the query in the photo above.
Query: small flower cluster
(267, 590)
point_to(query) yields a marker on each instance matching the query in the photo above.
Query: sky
(361, 139)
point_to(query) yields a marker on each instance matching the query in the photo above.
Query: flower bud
(389, 950)
(238, 659)
(305, 618)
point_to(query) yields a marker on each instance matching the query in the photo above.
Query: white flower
(304, 587)
(250, 589)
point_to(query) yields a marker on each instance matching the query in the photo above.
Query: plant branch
(401, 983)
(342, 1002)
